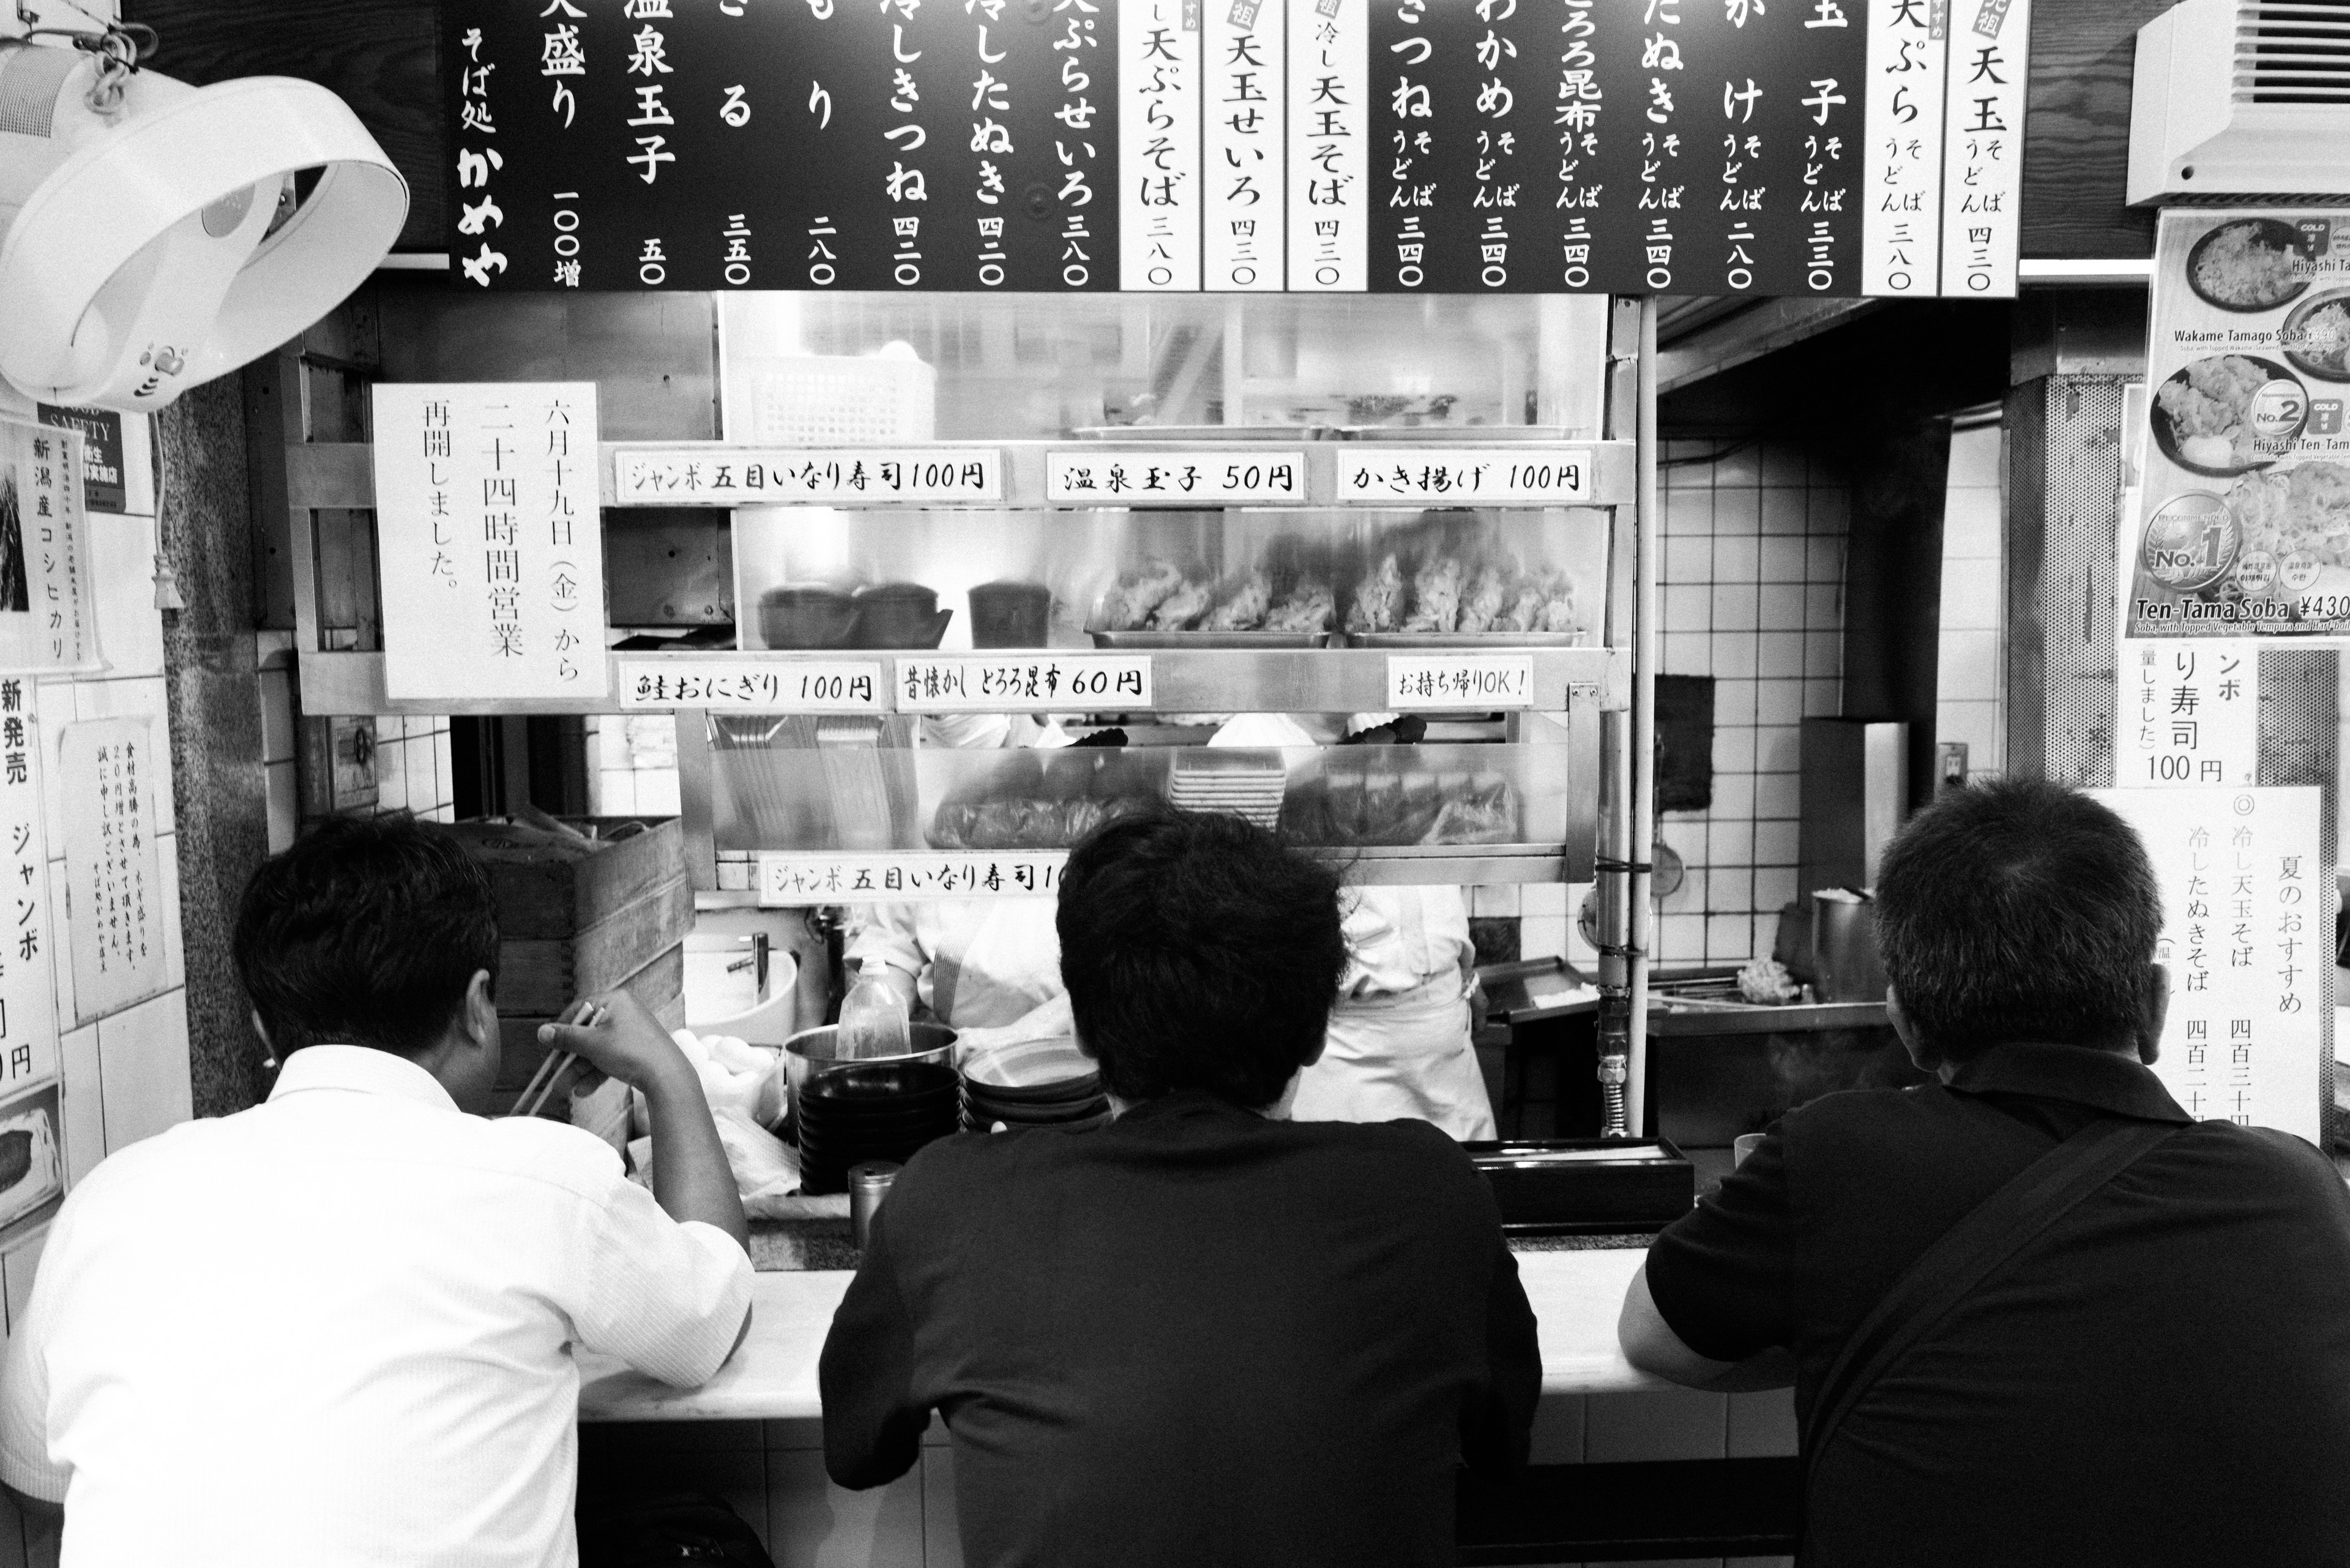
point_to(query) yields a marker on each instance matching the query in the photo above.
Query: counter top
(1576, 1296)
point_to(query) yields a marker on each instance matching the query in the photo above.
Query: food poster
(2242, 522)
(48, 621)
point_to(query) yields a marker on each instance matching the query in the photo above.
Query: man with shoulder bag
(2034, 1314)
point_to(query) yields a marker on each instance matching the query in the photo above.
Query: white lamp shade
(142, 263)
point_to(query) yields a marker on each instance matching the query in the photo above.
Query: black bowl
(1060, 1094)
(1034, 1115)
(879, 1125)
(856, 1083)
(2274, 233)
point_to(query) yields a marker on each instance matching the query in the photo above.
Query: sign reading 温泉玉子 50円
(1712, 146)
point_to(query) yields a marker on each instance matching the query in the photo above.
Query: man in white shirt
(340, 1327)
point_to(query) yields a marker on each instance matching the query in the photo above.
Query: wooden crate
(542, 975)
(660, 986)
(540, 898)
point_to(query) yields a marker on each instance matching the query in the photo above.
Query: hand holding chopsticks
(583, 1013)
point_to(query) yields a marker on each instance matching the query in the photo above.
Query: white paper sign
(1113, 478)
(1901, 221)
(1982, 145)
(1466, 475)
(2248, 935)
(29, 1009)
(108, 769)
(1329, 94)
(753, 685)
(2188, 714)
(491, 544)
(789, 879)
(1243, 236)
(1023, 684)
(48, 622)
(1418, 683)
(804, 476)
(1158, 146)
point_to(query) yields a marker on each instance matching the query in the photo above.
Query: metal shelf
(1203, 681)
(332, 475)
(1465, 866)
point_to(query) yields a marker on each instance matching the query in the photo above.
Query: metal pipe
(1650, 523)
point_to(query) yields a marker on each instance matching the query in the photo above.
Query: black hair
(366, 932)
(1199, 953)
(2018, 909)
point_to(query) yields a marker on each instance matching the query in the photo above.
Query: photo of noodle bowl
(2248, 264)
(2316, 337)
(2295, 523)
(2228, 414)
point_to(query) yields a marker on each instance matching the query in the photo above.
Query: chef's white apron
(1405, 1053)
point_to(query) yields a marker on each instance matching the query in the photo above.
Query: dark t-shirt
(1194, 1336)
(2163, 1379)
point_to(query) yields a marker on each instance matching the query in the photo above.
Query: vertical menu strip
(1329, 130)
(1159, 146)
(1901, 244)
(1244, 117)
(1982, 147)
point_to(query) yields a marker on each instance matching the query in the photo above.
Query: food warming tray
(1175, 640)
(1497, 641)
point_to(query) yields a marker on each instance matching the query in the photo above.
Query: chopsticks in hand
(541, 1087)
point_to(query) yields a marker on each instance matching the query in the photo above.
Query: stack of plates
(1245, 783)
(851, 1115)
(1034, 1083)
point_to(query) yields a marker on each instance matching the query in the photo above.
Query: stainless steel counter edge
(1575, 1297)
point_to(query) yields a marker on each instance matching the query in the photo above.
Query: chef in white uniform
(1398, 1043)
(989, 967)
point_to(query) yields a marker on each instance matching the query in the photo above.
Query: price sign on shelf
(1024, 683)
(792, 476)
(1467, 475)
(752, 686)
(1101, 478)
(790, 879)
(1482, 682)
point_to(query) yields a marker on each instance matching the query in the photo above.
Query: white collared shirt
(338, 1328)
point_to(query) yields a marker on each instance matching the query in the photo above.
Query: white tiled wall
(1972, 658)
(632, 765)
(1752, 585)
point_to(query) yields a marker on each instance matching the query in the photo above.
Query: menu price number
(1464, 475)
(787, 880)
(754, 686)
(983, 685)
(1139, 478)
(744, 476)
(1477, 681)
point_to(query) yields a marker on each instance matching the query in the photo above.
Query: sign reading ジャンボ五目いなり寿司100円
(1704, 147)
(2242, 519)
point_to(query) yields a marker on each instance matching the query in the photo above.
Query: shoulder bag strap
(1970, 1252)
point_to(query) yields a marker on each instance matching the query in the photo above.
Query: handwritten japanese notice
(1023, 683)
(846, 476)
(1173, 478)
(47, 620)
(2187, 712)
(1390, 475)
(1702, 147)
(108, 773)
(753, 685)
(29, 1012)
(786, 879)
(2248, 936)
(1482, 681)
(491, 546)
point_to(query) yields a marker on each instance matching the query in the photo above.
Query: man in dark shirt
(1201, 1334)
(2162, 1378)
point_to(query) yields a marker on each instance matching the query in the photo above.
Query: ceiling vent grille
(2293, 51)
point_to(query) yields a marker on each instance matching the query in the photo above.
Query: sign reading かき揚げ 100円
(1719, 147)
(2243, 518)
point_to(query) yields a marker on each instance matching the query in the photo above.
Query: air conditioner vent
(2293, 51)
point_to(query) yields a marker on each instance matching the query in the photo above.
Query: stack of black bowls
(848, 1112)
(1034, 1083)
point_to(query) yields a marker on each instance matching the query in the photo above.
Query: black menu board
(1763, 147)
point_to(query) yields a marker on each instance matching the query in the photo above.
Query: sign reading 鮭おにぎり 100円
(1708, 147)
